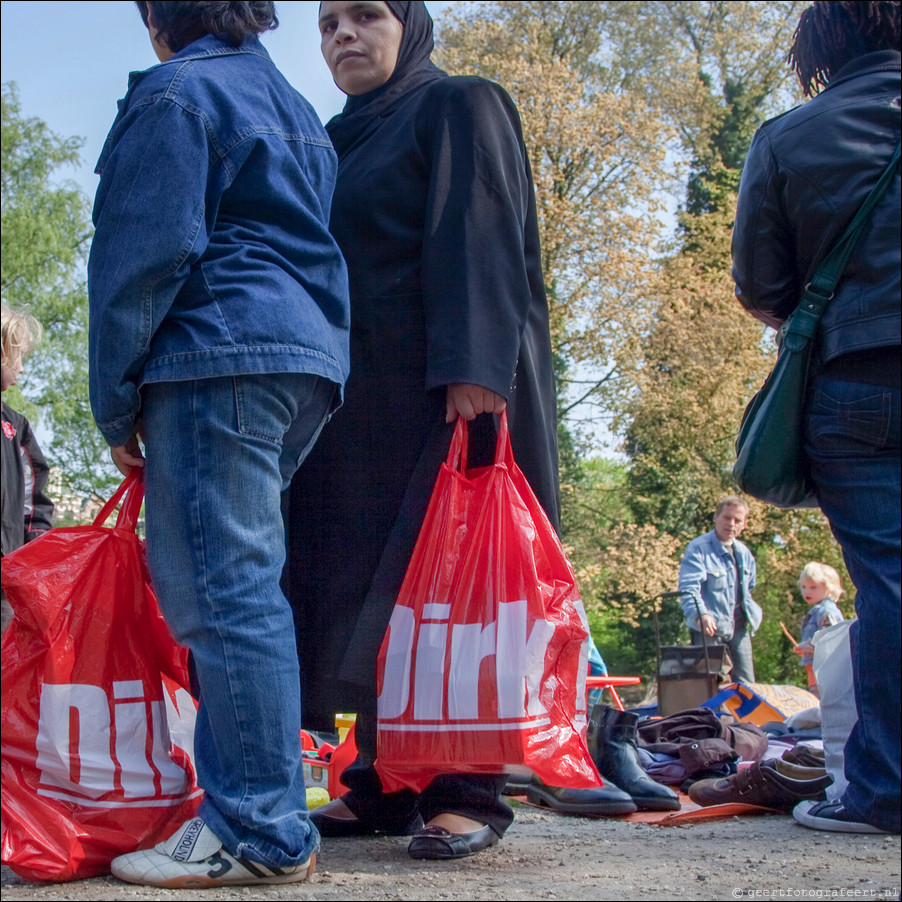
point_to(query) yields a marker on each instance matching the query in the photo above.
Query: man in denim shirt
(219, 337)
(717, 574)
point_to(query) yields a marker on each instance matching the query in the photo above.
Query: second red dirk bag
(483, 666)
(97, 719)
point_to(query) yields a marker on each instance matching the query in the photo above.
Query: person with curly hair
(808, 172)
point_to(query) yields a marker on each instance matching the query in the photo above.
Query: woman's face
(360, 43)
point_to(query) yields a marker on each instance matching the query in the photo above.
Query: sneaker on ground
(830, 816)
(193, 858)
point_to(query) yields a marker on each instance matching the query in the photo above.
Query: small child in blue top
(820, 587)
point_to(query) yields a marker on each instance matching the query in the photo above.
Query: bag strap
(133, 484)
(504, 453)
(819, 291)
(457, 453)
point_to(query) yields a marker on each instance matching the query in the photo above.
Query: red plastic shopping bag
(483, 666)
(97, 722)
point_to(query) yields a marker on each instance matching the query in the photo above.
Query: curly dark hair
(179, 22)
(830, 33)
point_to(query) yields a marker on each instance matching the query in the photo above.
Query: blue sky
(71, 63)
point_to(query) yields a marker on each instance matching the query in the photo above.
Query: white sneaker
(831, 816)
(193, 858)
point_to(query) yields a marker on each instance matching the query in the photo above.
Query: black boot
(605, 801)
(613, 745)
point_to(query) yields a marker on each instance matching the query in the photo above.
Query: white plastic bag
(833, 672)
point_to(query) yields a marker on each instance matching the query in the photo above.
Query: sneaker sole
(203, 881)
(833, 826)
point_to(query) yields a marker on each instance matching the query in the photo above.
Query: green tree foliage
(45, 238)
(701, 362)
(598, 152)
(605, 89)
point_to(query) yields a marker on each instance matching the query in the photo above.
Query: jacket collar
(880, 60)
(721, 547)
(207, 46)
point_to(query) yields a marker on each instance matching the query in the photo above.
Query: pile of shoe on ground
(795, 783)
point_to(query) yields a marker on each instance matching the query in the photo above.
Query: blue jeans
(220, 452)
(853, 446)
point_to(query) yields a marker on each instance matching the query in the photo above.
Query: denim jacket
(818, 617)
(212, 255)
(708, 574)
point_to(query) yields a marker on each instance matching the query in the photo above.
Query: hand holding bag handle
(458, 450)
(769, 461)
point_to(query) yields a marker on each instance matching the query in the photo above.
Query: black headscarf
(414, 68)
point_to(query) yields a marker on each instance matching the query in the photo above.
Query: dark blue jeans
(853, 446)
(738, 662)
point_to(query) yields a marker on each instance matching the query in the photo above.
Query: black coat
(27, 512)
(435, 213)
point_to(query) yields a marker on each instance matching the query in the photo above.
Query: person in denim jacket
(219, 336)
(717, 575)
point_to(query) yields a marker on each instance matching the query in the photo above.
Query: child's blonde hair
(823, 574)
(20, 333)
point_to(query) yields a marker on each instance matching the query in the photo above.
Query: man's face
(730, 522)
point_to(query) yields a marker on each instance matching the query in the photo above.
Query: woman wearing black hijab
(435, 213)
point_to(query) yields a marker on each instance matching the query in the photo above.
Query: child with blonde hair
(26, 512)
(820, 587)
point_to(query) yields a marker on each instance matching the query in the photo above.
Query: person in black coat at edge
(435, 213)
(807, 173)
(25, 510)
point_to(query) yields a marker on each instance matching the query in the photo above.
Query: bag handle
(133, 484)
(504, 452)
(457, 453)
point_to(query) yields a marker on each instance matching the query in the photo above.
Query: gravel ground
(547, 856)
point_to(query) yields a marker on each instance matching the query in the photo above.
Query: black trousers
(476, 796)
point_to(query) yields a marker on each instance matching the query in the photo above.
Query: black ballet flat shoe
(337, 827)
(436, 843)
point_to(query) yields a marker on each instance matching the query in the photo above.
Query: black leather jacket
(27, 512)
(807, 173)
